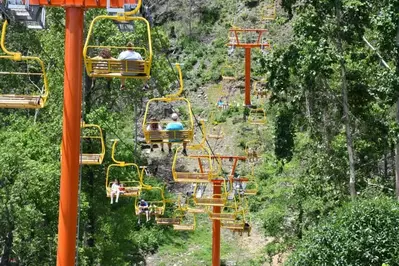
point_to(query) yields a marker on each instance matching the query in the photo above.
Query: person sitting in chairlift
(175, 125)
(102, 66)
(128, 54)
(115, 190)
(143, 208)
(220, 103)
(154, 125)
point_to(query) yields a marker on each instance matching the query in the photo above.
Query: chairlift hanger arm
(17, 56)
(181, 88)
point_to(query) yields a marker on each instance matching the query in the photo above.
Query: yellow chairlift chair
(98, 67)
(188, 222)
(257, 116)
(175, 206)
(245, 185)
(183, 170)
(216, 130)
(269, 10)
(35, 86)
(129, 174)
(196, 154)
(94, 134)
(169, 136)
(154, 196)
(228, 72)
(212, 199)
(228, 213)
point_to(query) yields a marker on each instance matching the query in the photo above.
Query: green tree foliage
(363, 232)
(284, 134)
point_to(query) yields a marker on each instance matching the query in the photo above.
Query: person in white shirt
(115, 190)
(129, 54)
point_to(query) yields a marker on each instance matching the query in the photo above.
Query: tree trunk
(344, 85)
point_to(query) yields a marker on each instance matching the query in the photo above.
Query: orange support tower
(217, 190)
(248, 39)
(69, 182)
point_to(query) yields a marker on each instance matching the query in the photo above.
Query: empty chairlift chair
(175, 206)
(257, 116)
(228, 72)
(269, 10)
(24, 82)
(97, 66)
(216, 131)
(245, 185)
(92, 136)
(194, 168)
(228, 212)
(213, 199)
(188, 222)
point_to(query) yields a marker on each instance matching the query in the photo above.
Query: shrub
(364, 232)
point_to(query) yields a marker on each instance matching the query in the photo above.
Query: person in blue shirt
(143, 208)
(220, 103)
(175, 125)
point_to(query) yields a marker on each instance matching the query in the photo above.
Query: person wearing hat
(128, 54)
(143, 208)
(175, 125)
(154, 125)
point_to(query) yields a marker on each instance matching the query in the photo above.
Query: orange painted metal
(247, 76)
(69, 182)
(200, 165)
(81, 3)
(247, 45)
(217, 190)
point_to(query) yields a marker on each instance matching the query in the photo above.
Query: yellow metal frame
(263, 94)
(87, 158)
(133, 185)
(177, 213)
(167, 135)
(257, 152)
(211, 200)
(220, 134)
(253, 117)
(117, 73)
(269, 7)
(187, 226)
(226, 215)
(190, 177)
(225, 68)
(22, 101)
(248, 180)
(160, 205)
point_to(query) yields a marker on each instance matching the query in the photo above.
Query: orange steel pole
(247, 76)
(217, 190)
(70, 137)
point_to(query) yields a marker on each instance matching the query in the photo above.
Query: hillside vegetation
(327, 186)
